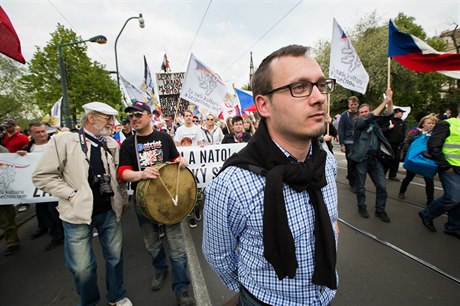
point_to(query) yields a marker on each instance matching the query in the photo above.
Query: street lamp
(141, 25)
(100, 39)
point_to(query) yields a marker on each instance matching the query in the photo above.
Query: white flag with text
(203, 87)
(345, 66)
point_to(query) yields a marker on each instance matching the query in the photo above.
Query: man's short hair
(365, 104)
(236, 119)
(353, 99)
(187, 111)
(35, 124)
(262, 78)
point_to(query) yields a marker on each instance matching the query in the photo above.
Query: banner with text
(169, 86)
(16, 185)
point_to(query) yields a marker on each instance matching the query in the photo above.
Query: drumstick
(177, 184)
(174, 201)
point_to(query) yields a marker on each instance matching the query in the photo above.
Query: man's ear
(91, 118)
(263, 105)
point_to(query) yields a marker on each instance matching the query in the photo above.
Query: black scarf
(279, 247)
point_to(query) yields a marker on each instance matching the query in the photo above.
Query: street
(396, 263)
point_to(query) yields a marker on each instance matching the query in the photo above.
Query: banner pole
(328, 111)
(389, 74)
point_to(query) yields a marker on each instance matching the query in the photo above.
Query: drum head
(169, 198)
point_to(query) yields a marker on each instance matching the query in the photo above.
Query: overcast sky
(229, 28)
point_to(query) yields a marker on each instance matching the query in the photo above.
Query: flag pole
(389, 74)
(175, 116)
(328, 111)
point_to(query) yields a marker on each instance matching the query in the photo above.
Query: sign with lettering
(16, 185)
(169, 86)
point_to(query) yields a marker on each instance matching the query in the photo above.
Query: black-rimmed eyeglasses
(304, 88)
(135, 114)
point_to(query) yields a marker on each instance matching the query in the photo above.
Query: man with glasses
(80, 169)
(271, 213)
(189, 129)
(212, 133)
(138, 155)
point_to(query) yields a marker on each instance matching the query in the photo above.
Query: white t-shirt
(38, 148)
(193, 132)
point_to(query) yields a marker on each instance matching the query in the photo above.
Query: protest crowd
(250, 238)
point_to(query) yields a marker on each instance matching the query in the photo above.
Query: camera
(103, 181)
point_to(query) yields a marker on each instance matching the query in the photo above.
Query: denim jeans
(247, 299)
(176, 249)
(449, 202)
(375, 169)
(81, 261)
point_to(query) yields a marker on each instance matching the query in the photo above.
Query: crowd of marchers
(274, 241)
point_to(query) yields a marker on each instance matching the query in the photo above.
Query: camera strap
(82, 137)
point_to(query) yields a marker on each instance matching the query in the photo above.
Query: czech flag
(415, 54)
(246, 100)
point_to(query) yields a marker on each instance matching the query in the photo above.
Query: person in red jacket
(13, 140)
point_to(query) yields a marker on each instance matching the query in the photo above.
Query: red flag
(9, 40)
(165, 65)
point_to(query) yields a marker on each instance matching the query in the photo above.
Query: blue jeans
(375, 169)
(81, 260)
(176, 249)
(247, 299)
(449, 202)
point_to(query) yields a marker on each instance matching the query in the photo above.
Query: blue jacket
(347, 127)
(369, 138)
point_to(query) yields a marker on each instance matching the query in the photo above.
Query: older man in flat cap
(80, 169)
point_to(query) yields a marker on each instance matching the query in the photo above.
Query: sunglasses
(135, 114)
(196, 121)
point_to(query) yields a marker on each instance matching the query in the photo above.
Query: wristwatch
(71, 195)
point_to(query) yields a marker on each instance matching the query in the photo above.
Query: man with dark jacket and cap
(138, 156)
(395, 132)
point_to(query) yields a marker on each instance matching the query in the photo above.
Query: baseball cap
(9, 122)
(398, 110)
(100, 108)
(139, 106)
(125, 121)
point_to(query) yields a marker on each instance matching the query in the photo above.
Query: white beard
(102, 131)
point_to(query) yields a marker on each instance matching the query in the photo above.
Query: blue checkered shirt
(233, 236)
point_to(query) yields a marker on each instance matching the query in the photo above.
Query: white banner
(345, 65)
(203, 87)
(16, 185)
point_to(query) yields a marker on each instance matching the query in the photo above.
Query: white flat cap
(100, 108)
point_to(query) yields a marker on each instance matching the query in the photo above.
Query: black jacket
(395, 135)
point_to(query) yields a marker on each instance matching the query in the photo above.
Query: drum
(169, 198)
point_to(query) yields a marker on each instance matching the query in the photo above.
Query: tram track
(401, 251)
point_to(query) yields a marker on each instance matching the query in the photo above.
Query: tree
(15, 102)
(421, 91)
(86, 80)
